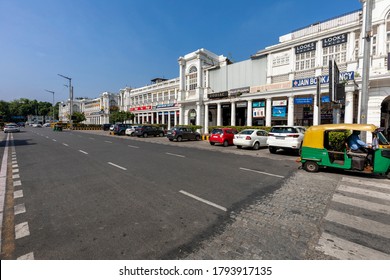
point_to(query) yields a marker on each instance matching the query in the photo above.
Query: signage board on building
(159, 106)
(258, 104)
(241, 104)
(307, 47)
(279, 102)
(258, 112)
(303, 100)
(334, 40)
(141, 108)
(344, 76)
(239, 91)
(217, 95)
(279, 111)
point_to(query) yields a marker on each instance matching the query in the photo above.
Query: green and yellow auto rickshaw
(326, 146)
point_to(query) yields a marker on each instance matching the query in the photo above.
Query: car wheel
(311, 166)
(225, 143)
(256, 146)
(122, 133)
(197, 137)
(161, 134)
(239, 147)
(132, 134)
(212, 143)
(179, 138)
(145, 135)
(272, 150)
(170, 139)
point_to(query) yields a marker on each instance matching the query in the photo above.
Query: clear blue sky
(106, 45)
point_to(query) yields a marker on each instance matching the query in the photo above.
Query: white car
(285, 137)
(131, 130)
(11, 127)
(252, 138)
(46, 125)
(36, 125)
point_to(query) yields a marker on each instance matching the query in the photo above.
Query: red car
(222, 136)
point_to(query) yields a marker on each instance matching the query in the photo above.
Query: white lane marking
(65, 144)
(376, 207)
(14, 162)
(91, 138)
(118, 166)
(29, 256)
(381, 195)
(15, 166)
(3, 183)
(358, 223)
(204, 200)
(21, 230)
(54, 140)
(18, 194)
(346, 250)
(175, 155)
(15, 176)
(260, 172)
(19, 209)
(84, 152)
(108, 141)
(17, 183)
(15, 170)
(47, 137)
(135, 147)
(370, 182)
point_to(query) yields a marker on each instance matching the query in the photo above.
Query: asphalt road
(97, 197)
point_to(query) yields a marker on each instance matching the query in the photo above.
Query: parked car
(120, 129)
(222, 136)
(148, 130)
(285, 137)
(252, 138)
(46, 125)
(11, 127)
(112, 127)
(180, 133)
(36, 125)
(106, 126)
(130, 131)
(21, 124)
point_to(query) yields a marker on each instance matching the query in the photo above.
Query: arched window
(192, 78)
(388, 33)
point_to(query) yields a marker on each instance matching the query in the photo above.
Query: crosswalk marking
(365, 192)
(355, 223)
(345, 250)
(376, 207)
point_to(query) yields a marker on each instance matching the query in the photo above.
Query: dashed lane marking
(131, 146)
(117, 166)
(84, 152)
(108, 142)
(176, 155)
(22, 230)
(19, 209)
(29, 256)
(66, 145)
(18, 194)
(261, 172)
(204, 200)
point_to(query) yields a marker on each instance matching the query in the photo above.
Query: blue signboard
(279, 111)
(325, 99)
(303, 100)
(258, 104)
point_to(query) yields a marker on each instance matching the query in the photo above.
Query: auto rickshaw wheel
(311, 166)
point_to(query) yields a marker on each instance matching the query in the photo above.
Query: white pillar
(348, 112)
(315, 110)
(268, 112)
(198, 114)
(233, 113)
(290, 115)
(206, 118)
(181, 115)
(175, 118)
(169, 120)
(219, 114)
(249, 114)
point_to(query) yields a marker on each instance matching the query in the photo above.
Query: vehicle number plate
(280, 137)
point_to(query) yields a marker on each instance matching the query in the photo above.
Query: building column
(198, 114)
(219, 114)
(249, 113)
(315, 111)
(175, 118)
(152, 119)
(206, 119)
(233, 113)
(348, 112)
(290, 115)
(268, 112)
(181, 116)
(169, 120)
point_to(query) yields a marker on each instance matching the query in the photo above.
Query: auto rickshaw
(326, 146)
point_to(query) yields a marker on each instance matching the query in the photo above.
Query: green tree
(78, 117)
(121, 116)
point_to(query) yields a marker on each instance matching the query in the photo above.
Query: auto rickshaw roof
(314, 136)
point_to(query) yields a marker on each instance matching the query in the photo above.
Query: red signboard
(141, 108)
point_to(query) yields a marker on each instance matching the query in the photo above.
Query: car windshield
(217, 131)
(284, 130)
(382, 139)
(246, 132)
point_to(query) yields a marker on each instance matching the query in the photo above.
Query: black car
(120, 129)
(148, 130)
(106, 126)
(180, 133)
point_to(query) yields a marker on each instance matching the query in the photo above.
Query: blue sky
(106, 45)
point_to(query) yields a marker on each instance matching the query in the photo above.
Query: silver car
(11, 127)
(252, 138)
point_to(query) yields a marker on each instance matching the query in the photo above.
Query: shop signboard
(258, 112)
(279, 111)
(279, 102)
(217, 95)
(303, 100)
(311, 81)
(307, 47)
(334, 40)
(241, 104)
(258, 104)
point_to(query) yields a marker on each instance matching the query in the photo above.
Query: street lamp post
(53, 101)
(70, 97)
